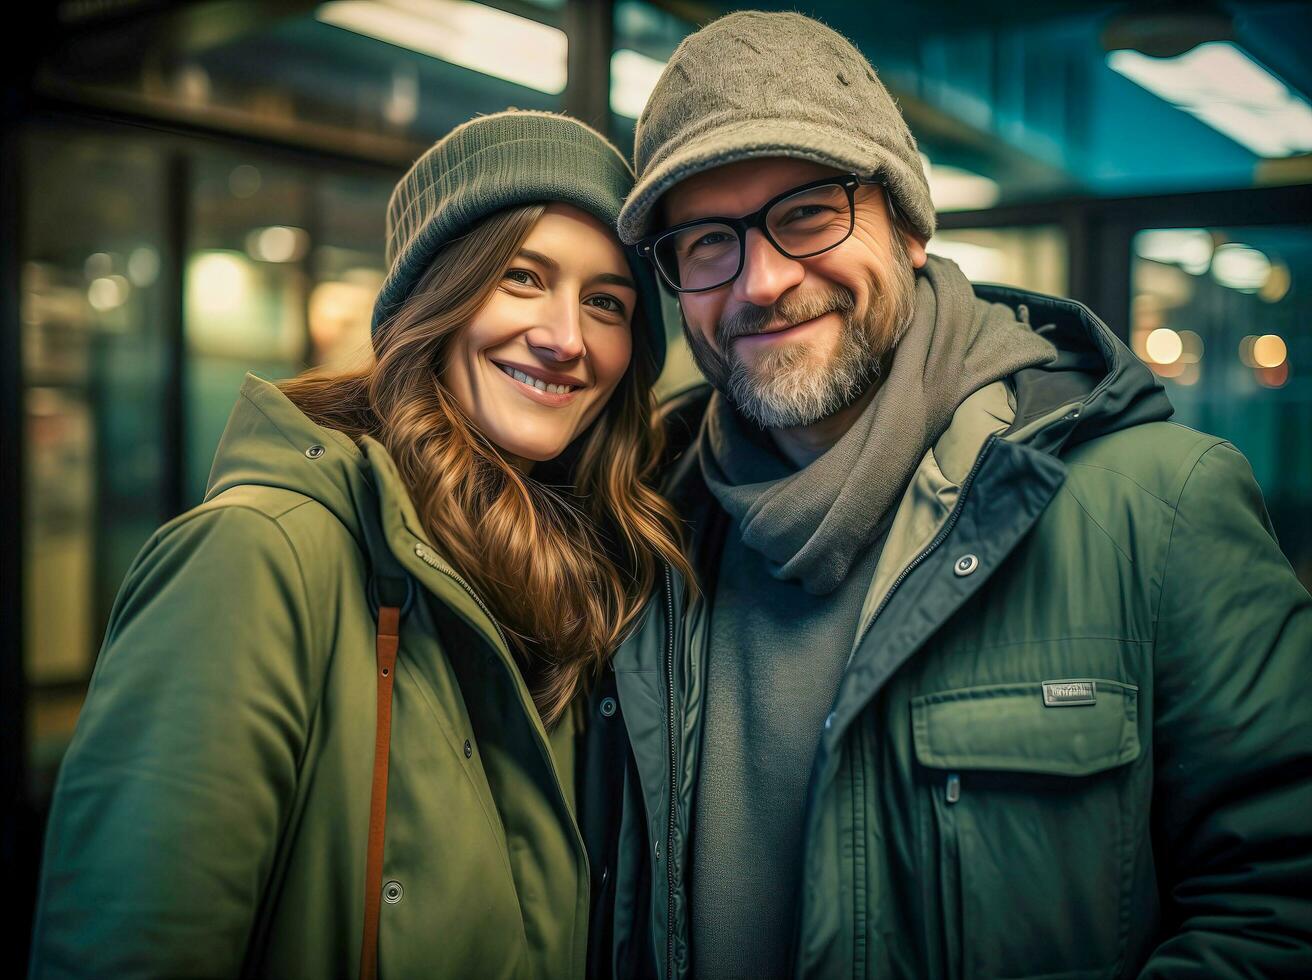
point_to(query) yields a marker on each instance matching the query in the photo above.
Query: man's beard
(785, 387)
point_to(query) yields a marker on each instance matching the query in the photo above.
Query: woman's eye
(612, 305)
(521, 276)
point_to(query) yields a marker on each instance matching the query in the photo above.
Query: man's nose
(767, 273)
(559, 335)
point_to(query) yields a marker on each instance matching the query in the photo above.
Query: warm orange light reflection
(1273, 377)
(1164, 346)
(1269, 351)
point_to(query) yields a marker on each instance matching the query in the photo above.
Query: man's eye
(712, 239)
(804, 211)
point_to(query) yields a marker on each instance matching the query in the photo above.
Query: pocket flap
(1060, 727)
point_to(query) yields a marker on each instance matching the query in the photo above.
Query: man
(993, 671)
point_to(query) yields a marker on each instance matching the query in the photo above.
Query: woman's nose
(559, 336)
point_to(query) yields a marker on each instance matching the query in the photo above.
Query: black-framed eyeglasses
(708, 253)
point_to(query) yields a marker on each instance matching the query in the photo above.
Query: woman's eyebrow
(610, 278)
(532, 256)
(613, 279)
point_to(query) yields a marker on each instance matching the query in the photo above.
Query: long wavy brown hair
(565, 565)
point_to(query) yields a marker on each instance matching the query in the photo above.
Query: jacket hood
(270, 442)
(1094, 372)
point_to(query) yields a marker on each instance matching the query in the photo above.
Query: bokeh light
(1269, 351)
(1164, 346)
(1240, 267)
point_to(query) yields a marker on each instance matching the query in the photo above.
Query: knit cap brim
(755, 139)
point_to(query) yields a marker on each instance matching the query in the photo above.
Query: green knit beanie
(755, 84)
(500, 161)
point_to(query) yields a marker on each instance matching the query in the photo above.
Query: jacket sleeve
(1232, 799)
(177, 784)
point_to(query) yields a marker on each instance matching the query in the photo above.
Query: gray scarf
(812, 524)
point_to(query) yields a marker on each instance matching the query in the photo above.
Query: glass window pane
(1032, 258)
(377, 80)
(348, 267)
(1224, 318)
(94, 335)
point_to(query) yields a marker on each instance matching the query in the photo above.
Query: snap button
(314, 452)
(392, 892)
(469, 749)
(965, 565)
(607, 707)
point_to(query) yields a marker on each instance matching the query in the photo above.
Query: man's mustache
(790, 309)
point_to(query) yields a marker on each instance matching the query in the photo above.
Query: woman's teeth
(537, 383)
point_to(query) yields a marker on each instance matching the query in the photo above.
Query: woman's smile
(541, 386)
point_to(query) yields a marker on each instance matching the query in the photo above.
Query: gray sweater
(777, 653)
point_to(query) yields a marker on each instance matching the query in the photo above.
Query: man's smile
(782, 333)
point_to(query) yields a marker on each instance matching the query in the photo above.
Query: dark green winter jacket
(1074, 736)
(210, 817)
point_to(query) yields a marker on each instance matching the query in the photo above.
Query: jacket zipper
(674, 775)
(943, 809)
(944, 531)
(432, 561)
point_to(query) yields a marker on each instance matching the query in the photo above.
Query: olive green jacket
(1074, 736)
(210, 817)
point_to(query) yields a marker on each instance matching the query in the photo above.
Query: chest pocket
(1027, 811)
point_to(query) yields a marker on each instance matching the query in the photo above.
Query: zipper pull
(954, 788)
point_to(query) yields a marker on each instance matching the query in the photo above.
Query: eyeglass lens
(709, 254)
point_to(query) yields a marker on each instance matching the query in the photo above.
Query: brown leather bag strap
(389, 622)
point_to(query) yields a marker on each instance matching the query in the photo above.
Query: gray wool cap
(499, 161)
(754, 84)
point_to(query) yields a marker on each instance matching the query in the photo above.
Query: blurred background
(196, 190)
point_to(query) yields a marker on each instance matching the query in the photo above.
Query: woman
(331, 725)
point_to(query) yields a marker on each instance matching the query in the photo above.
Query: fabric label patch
(1060, 694)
